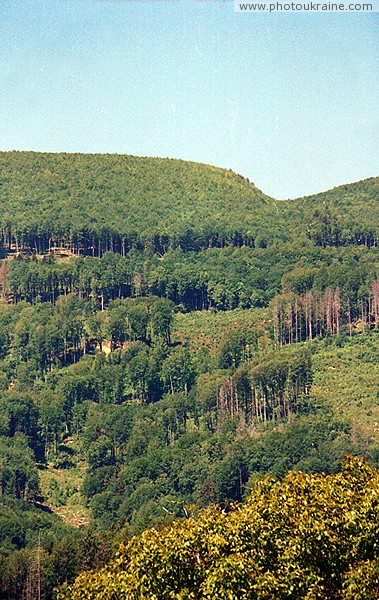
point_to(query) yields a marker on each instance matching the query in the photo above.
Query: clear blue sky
(288, 100)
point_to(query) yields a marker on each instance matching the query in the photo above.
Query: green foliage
(18, 471)
(237, 346)
(362, 582)
(310, 536)
(169, 336)
(100, 202)
(200, 236)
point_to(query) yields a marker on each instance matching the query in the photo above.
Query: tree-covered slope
(347, 214)
(169, 335)
(117, 201)
(99, 202)
(360, 192)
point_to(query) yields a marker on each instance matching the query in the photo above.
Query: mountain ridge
(338, 187)
(100, 202)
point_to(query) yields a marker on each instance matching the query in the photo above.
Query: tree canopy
(310, 536)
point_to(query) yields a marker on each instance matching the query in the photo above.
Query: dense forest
(170, 336)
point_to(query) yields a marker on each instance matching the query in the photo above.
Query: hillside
(360, 192)
(347, 214)
(93, 203)
(114, 202)
(169, 335)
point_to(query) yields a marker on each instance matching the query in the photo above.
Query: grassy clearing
(61, 489)
(205, 329)
(346, 380)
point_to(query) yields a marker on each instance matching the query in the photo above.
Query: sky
(290, 101)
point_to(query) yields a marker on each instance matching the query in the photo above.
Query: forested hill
(347, 214)
(359, 192)
(169, 335)
(93, 203)
(114, 202)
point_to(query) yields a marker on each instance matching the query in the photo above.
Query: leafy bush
(308, 537)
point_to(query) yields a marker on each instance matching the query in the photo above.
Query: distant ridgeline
(200, 236)
(93, 203)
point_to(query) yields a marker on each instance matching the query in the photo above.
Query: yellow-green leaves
(308, 537)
